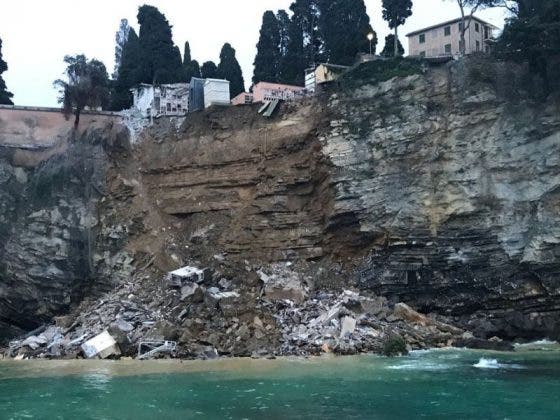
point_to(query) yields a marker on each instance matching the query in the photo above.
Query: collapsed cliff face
(433, 188)
(49, 224)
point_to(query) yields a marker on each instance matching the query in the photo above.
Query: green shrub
(376, 71)
(394, 345)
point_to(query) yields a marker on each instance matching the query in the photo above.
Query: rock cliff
(438, 188)
(454, 191)
(50, 189)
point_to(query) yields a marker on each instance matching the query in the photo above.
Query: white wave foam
(487, 364)
(494, 364)
(538, 345)
(419, 365)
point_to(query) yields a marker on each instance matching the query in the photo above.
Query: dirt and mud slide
(232, 184)
(51, 180)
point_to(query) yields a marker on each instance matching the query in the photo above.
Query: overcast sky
(37, 34)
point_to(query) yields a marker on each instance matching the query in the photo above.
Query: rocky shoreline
(208, 316)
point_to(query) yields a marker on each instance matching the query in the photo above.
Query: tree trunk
(396, 43)
(77, 119)
(462, 45)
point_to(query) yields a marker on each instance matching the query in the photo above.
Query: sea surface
(434, 384)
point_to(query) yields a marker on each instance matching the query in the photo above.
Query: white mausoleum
(161, 100)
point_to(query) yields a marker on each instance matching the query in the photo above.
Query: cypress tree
(294, 63)
(395, 12)
(121, 38)
(344, 25)
(389, 49)
(306, 14)
(160, 60)
(268, 50)
(283, 31)
(187, 54)
(121, 97)
(229, 69)
(209, 70)
(192, 68)
(5, 96)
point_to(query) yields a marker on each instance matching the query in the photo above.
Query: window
(447, 30)
(447, 48)
(486, 32)
(422, 53)
(168, 107)
(478, 45)
(476, 27)
(422, 38)
(460, 26)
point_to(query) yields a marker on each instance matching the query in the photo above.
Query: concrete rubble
(101, 346)
(207, 315)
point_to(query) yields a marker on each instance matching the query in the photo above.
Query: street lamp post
(370, 37)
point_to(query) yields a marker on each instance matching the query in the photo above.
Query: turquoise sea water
(458, 384)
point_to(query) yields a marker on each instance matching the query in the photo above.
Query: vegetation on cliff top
(5, 96)
(87, 85)
(373, 72)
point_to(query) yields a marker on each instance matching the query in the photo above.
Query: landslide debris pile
(209, 315)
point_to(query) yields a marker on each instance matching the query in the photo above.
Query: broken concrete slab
(101, 346)
(33, 342)
(186, 274)
(348, 326)
(123, 325)
(191, 291)
(282, 284)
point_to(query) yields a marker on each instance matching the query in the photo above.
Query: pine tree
(395, 12)
(209, 70)
(121, 97)
(229, 69)
(389, 49)
(121, 37)
(5, 96)
(294, 63)
(267, 59)
(344, 25)
(160, 60)
(192, 68)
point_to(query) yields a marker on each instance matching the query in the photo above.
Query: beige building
(323, 73)
(444, 39)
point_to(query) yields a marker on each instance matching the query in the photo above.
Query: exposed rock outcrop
(454, 193)
(53, 248)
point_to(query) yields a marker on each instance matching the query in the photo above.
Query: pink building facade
(265, 92)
